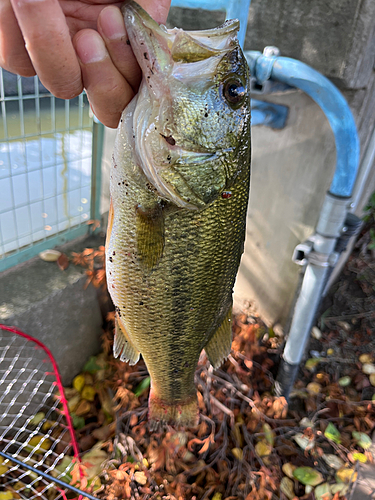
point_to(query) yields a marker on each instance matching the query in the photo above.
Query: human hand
(58, 41)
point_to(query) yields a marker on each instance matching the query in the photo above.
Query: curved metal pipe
(319, 252)
(329, 99)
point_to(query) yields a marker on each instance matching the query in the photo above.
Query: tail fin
(184, 414)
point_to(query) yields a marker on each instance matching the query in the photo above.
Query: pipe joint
(332, 216)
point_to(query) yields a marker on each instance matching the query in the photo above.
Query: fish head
(192, 117)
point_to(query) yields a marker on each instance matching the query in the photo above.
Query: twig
(223, 408)
(350, 316)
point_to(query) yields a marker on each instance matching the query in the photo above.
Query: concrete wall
(54, 307)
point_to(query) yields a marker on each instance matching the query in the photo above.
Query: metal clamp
(302, 251)
(304, 254)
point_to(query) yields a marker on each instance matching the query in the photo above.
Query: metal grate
(29, 389)
(46, 151)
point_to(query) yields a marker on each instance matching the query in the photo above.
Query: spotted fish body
(179, 193)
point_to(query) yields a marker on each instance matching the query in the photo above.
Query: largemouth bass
(179, 194)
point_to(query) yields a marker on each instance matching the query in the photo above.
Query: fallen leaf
(316, 333)
(332, 433)
(288, 469)
(333, 461)
(78, 422)
(83, 408)
(346, 475)
(368, 368)
(38, 444)
(263, 448)
(269, 434)
(142, 386)
(345, 381)
(79, 382)
(74, 402)
(312, 363)
(362, 439)
(237, 453)
(287, 487)
(314, 388)
(93, 461)
(88, 393)
(322, 492)
(37, 418)
(140, 477)
(50, 255)
(339, 488)
(304, 442)
(365, 358)
(6, 495)
(308, 476)
(359, 457)
(63, 262)
(306, 422)
(3, 469)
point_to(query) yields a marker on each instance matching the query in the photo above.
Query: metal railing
(48, 161)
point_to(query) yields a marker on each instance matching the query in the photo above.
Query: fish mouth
(163, 54)
(157, 48)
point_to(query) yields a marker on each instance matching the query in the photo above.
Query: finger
(107, 89)
(13, 55)
(111, 26)
(157, 10)
(49, 45)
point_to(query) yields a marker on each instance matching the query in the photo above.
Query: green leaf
(91, 365)
(322, 492)
(78, 422)
(362, 439)
(308, 476)
(142, 386)
(312, 363)
(360, 457)
(269, 434)
(323, 317)
(64, 467)
(332, 433)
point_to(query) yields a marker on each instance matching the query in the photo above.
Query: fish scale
(177, 219)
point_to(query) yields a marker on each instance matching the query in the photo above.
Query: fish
(179, 188)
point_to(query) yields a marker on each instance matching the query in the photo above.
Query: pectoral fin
(122, 346)
(150, 234)
(219, 346)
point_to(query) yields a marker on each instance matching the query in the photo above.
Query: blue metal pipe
(268, 114)
(330, 100)
(234, 9)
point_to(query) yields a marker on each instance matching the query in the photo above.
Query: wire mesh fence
(33, 426)
(45, 167)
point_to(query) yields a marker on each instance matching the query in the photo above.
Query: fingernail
(91, 48)
(112, 23)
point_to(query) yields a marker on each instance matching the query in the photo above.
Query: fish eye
(234, 91)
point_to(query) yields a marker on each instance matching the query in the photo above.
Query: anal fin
(122, 347)
(150, 235)
(219, 346)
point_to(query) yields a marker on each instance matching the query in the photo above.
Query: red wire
(59, 385)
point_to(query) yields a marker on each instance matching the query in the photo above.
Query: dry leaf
(63, 262)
